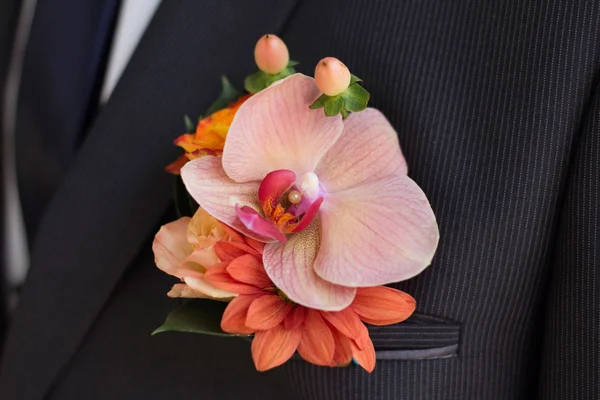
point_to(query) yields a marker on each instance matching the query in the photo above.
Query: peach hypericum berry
(271, 54)
(332, 76)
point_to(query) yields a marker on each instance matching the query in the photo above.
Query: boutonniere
(295, 209)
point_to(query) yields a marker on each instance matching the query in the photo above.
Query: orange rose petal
(175, 167)
(295, 318)
(266, 312)
(317, 344)
(342, 356)
(202, 153)
(383, 305)
(186, 142)
(209, 137)
(249, 269)
(234, 317)
(205, 140)
(364, 357)
(274, 347)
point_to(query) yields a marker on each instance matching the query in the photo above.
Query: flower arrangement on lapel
(292, 217)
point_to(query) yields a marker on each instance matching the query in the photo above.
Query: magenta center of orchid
(288, 204)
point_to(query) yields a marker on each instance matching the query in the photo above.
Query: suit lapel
(112, 198)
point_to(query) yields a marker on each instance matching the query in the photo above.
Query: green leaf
(261, 80)
(186, 206)
(320, 102)
(228, 95)
(354, 79)
(334, 105)
(256, 82)
(283, 74)
(189, 125)
(292, 63)
(356, 98)
(196, 316)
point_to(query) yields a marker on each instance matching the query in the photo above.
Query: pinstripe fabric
(571, 368)
(488, 99)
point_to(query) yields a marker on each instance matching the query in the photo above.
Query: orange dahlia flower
(209, 137)
(281, 327)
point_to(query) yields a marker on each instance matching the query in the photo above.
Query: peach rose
(186, 249)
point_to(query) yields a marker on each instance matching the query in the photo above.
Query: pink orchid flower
(329, 197)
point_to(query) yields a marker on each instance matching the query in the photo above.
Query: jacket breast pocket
(421, 337)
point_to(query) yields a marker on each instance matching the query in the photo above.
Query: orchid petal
(171, 247)
(273, 186)
(383, 305)
(272, 348)
(267, 312)
(290, 267)
(259, 225)
(317, 345)
(367, 150)
(275, 129)
(377, 233)
(215, 192)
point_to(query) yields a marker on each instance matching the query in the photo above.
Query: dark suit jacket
(9, 11)
(497, 106)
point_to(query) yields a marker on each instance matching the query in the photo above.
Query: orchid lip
(288, 204)
(259, 224)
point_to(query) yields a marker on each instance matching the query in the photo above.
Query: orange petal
(295, 318)
(365, 357)
(383, 305)
(266, 312)
(186, 142)
(342, 356)
(218, 277)
(363, 339)
(234, 235)
(175, 166)
(227, 251)
(249, 269)
(208, 139)
(317, 345)
(255, 244)
(345, 321)
(274, 347)
(234, 317)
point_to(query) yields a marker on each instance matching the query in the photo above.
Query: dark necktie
(61, 77)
